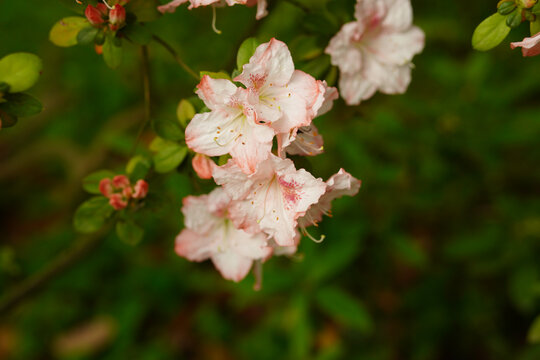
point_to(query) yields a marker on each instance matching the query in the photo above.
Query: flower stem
(177, 57)
(145, 70)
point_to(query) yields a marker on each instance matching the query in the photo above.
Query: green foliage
(20, 71)
(21, 105)
(129, 232)
(490, 33)
(168, 128)
(144, 10)
(64, 33)
(138, 167)
(168, 155)
(245, 52)
(92, 214)
(87, 35)
(344, 309)
(185, 112)
(91, 182)
(112, 51)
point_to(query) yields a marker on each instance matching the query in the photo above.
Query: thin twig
(145, 70)
(61, 263)
(177, 57)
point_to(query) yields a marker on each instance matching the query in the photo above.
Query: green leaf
(144, 10)
(92, 214)
(87, 35)
(216, 75)
(246, 51)
(305, 48)
(534, 331)
(344, 308)
(318, 67)
(7, 120)
(137, 167)
(129, 232)
(168, 129)
(169, 157)
(21, 105)
(185, 112)
(20, 71)
(112, 53)
(490, 33)
(137, 33)
(64, 32)
(535, 27)
(91, 182)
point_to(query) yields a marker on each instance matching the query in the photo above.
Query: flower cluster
(171, 6)
(101, 16)
(119, 190)
(263, 199)
(375, 51)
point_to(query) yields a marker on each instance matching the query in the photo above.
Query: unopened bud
(117, 16)
(527, 4)
(120, 181)
(140, 189)
(94, 16)
(514, 19)
(103, 9)
(203, 166)
(506, 7)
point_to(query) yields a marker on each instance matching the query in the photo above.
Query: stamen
(214, 16)
(306, 233)
(107, 5)
(228, 142)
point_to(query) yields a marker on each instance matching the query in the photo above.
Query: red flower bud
(141, 189)
(105, 187)
(117, 201)
(103, 9)
(94, 16)
(120, 181)
(117, 16)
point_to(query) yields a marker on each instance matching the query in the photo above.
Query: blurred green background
(436, 258)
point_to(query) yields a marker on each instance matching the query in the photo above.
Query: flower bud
(506, 7)
(514, 19)
(103, 9)
(203, 166)
(105, 187)
(117, 15)
(527, 4)
(94, 16)
(120, 181)
(141, 189)
(117, 201)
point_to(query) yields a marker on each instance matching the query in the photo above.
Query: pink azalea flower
(209, 234)
(308, 142)
(261, 7)
(203, 166)
(530, 46)
(171, 6)
(231, 127)
(338, 185)
(375, 52)
(281, 96)
(271, 199)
